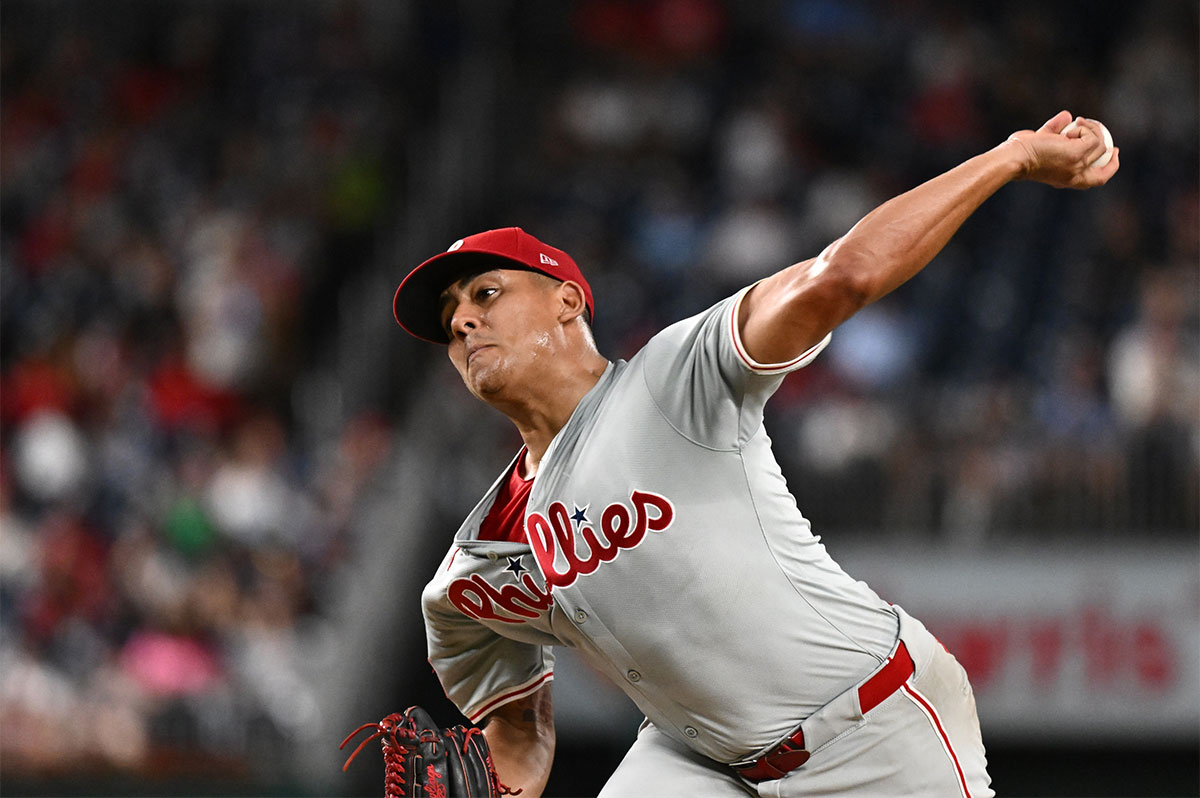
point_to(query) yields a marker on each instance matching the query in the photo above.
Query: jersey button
(689, 731)
(580, 616)
(493, 556)
(634, 676)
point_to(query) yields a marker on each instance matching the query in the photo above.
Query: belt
(791, 754)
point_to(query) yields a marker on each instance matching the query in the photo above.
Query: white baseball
(1108, 142)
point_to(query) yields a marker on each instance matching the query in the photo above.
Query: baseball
(1108, 142)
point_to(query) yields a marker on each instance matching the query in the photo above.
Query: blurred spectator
(169, 177)
(1155, 386)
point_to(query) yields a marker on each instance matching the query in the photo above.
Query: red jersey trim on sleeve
(521, 691)
(768, 368)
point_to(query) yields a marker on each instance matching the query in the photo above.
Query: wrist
(1017, 157)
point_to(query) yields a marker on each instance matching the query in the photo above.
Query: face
(501, 325)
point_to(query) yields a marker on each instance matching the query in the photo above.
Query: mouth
(475, 350)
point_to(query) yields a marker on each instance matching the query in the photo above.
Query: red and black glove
(423, 760)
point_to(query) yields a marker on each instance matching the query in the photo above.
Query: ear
(573, 302)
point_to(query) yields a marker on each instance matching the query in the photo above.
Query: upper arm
(479, 667)
(794, 309)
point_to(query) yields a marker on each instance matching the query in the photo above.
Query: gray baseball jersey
(665, 547)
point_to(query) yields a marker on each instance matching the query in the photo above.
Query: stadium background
(225, 472)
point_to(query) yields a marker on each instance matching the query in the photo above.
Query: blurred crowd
(174, 179)
(186, 187)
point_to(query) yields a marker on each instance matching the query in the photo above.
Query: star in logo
(515, 566)
(580, 516)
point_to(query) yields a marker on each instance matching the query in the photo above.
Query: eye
(483, 293)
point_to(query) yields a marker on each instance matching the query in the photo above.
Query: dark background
(208, 419)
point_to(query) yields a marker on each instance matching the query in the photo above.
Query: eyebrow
(447, 296)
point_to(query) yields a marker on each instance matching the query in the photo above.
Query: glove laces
(393, 751)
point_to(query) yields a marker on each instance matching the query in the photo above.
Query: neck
(540, 415)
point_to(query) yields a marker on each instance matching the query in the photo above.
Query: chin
(487, 383)
(486, 391)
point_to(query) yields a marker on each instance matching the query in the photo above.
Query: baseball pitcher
(645, 523)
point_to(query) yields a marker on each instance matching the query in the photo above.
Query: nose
(464, 319)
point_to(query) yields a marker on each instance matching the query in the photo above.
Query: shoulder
(712, 325)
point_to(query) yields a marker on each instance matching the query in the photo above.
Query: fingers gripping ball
(1106, 156)
(420, 759)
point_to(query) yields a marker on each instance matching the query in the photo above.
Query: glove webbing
(392, 730)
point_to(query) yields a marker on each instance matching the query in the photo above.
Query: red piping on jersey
(511, 695)
(745, 356)
(936, 722)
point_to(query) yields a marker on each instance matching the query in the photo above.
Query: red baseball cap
(416, 302)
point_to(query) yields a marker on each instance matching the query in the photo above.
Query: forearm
(793, 309)
(521, 738)
(899, 238)
(896, 240)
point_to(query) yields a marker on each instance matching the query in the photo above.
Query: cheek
(535, 329)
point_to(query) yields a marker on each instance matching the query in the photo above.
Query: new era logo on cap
(546, 259)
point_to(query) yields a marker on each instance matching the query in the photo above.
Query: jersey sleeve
(479, 669)
(703, 381)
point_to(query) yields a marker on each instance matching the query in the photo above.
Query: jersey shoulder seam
(670, 423)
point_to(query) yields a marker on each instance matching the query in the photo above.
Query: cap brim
(415, 304)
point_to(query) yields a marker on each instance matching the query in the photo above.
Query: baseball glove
(420, 759)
